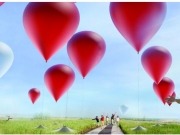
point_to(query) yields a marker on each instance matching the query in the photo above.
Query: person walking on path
(102, 121)
(97, 120)
(112, 118)
(117, 120)
(107, 120)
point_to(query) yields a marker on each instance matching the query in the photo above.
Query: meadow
(152, 126)
(29, 126)
(81, 126)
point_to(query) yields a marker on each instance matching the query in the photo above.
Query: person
(172, 99)
(102, 121)
(117, 120)
(97, 120)
(112, 118)
(107, 120)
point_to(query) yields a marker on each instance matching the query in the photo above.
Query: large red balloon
(1, 3)
(50, 25)
(164, 89)
(58, 79)
(34, 94)
(156, 61)
(85, 50)
(173, 95)
(137, 21)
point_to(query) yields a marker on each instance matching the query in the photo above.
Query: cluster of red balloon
(156, 61)
(138, 22)
(49, 31)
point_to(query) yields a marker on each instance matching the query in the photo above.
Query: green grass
(24, 126)
(165, 128)
(81, 126)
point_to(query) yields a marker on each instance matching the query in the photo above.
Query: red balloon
(156, 61)
(137, 21)
(58, 79)
(164, 89)
(173, 95)
(50, 25)
(34, 94)
(85, 50)
(1, 3)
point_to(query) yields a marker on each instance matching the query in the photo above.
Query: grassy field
(165, 128)
(27, 126)
(81, 126)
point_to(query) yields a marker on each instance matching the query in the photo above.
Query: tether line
(138, 85)
(66, 105)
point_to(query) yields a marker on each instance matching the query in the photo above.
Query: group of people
(105, 120)
(115, 120)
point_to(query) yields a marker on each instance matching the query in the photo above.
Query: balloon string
(138, 87)
(67, 94)
(82, 102)
(42, 111)
(66, 105)
(43, 103)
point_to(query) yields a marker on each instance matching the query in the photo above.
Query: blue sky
(112, 83)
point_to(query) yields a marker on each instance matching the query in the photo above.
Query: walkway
(109, 129)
